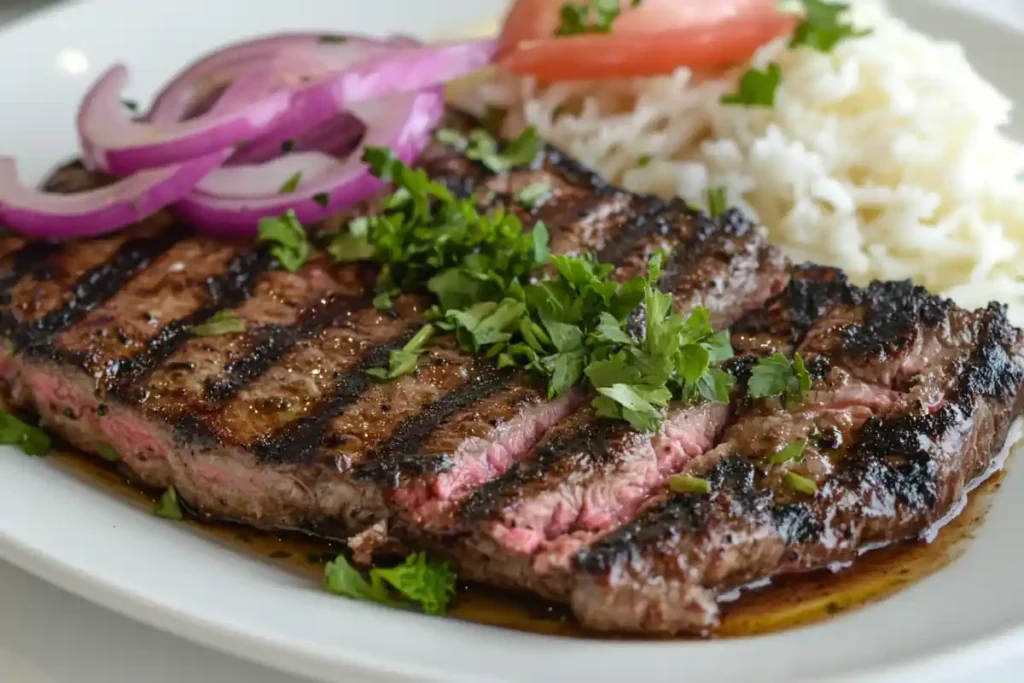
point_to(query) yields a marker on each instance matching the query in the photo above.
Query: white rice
(885, 157)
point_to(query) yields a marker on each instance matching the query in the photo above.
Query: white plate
(103, 548)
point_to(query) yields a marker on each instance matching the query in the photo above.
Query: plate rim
(1000, 645)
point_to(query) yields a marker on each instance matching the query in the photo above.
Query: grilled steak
(911, 400)
(281, 427)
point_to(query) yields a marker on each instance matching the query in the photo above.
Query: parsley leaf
(169, 507)
(483, 147)
(403, 361)
(431, 585)
(718, 202)
(341, 578)
(291, 184)
(31, 440)
(793, 451)
(569, 325)
(823, 27)
(452, 138)
(289, 243)
(425, 237)
(757, 88)
(108, 452)
(428, 584)
(683, 483)
(534, 195)
(220, 323)
(777, 376)
(352, 244)
(799, 483)
(595, 16)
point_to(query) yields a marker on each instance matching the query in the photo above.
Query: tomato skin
(656, 37)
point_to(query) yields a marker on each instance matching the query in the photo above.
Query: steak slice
(280, 425)
(591, 475)
(911, 403)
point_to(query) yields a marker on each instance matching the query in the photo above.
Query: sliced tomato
(657, 36)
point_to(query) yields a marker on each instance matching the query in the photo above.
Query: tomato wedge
(655, 37)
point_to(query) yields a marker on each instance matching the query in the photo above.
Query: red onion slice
(85, 214)
(336, 136)
(115, 143)
(398, 71)
(219, 68)
(403, 123)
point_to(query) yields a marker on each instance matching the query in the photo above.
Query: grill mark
(399, 454)
(888, 452)
(574, 172)
(94, 288)
(299, 439)
(691, 251)
(647, 223)
(24, 262)
(591, 438)
(679, 514)
(271, 344)
(226, 291)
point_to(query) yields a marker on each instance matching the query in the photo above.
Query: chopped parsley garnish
(322, 198)
(794, 451)
(480, 145)
(130, 105)
(799, 483)
(757, 88)
(777, 376)
(534, 195)
(31, 440)
(644, 160)
(287, 147)
(823, 27)
(108, 452)
(169, 507)
(452, 138)
(718, 201)
(428, 238)
(403, 361)
(333, 38)
(426, 583)
(220, 323)
(684, 483)
(289, 242)
(570, 327)
(291, 184)
(595, 16)
(484, 148)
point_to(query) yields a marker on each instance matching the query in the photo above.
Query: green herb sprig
(420, 581)
(31, 440)
(756, 88)
(289, 242)
(823, 26)
(570, 327)
(426, 238)
(595, 16)
(793, 451)
(169, 507)
(481, 145)
(220, 323)
(778, 376)
(403, 361)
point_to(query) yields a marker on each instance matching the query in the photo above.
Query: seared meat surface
(280, 426)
